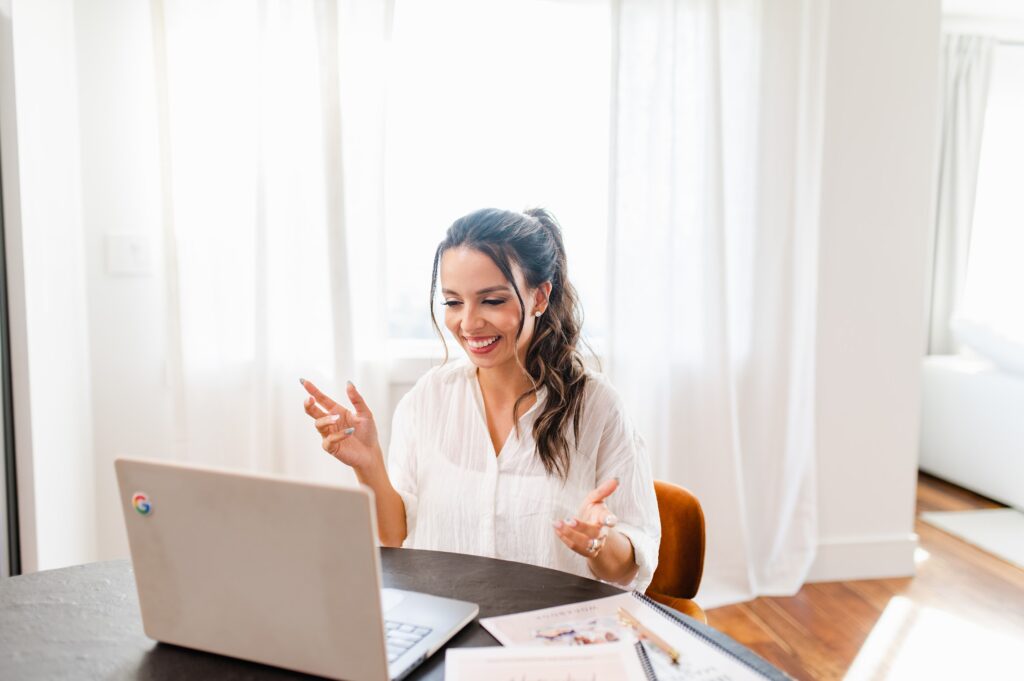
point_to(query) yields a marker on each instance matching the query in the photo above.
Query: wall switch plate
(128, 255)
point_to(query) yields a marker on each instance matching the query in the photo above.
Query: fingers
(357, 400)
(317, 396)
(591, 529)
(572, 534)
(602, 492)
(313, 409)
(327, 421)
(599, 515)
(331, 442)
(326, 401)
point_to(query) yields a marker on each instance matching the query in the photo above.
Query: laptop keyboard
(401, 637)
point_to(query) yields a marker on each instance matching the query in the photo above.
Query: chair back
(681, 553)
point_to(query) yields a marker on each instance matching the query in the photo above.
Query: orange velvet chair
(681, 553)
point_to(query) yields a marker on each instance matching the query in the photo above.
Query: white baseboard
(852, 558)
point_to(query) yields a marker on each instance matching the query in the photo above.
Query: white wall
(48, 311)
(121, 195)
(877, 187)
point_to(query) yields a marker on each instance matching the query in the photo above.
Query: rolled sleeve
(636, 506)
(623, 454)
(645, 552)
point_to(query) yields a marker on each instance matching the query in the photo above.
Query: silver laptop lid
(281, 572)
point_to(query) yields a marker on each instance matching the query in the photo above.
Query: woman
(520, 453)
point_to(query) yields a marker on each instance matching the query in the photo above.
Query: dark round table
(83, 622)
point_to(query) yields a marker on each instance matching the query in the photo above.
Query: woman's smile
(481, 345)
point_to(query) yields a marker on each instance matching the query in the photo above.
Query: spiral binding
(659, 608)
(645, 661)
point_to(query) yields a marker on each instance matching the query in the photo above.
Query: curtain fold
(966, 68)
(257, 222)
(713, 262)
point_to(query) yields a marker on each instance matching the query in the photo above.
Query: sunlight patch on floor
(913, 642)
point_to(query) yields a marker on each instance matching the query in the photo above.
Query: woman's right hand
(347, 435)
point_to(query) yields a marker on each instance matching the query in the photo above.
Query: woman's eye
(489, 301)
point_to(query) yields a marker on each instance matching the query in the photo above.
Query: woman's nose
(471, 319)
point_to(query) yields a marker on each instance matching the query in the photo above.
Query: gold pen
(644, 632)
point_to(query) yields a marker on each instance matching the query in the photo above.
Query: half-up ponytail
(533, 241)
(553, 360)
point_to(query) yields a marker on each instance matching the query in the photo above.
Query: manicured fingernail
(557, 524)
(349, 431)
(571, 522)
(350, 383)
(335, 417)
(610, 520)
(302, 381)
(616, 478)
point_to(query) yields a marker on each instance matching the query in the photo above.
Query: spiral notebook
(660, 632)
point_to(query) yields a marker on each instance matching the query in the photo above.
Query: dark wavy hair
(533, 241)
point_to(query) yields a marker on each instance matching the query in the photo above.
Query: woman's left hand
(587, 532)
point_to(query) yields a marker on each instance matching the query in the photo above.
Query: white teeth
(481, 344)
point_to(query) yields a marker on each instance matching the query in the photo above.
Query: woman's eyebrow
(490, 289)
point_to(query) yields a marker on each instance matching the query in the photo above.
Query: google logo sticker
(141, 503)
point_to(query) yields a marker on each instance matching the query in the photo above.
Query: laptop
(281, 572)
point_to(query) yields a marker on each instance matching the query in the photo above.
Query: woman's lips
(477, 347)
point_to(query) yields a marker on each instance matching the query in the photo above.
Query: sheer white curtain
(966, 70)
(256, 203)
(713, 262)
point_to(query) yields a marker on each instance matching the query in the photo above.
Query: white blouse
(460, 497)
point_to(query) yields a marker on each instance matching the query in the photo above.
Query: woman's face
(481, 309)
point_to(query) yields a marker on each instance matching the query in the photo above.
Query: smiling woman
(509, 254)
(520, 452)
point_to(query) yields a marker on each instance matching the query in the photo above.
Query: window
(994, 290)
(501, 103)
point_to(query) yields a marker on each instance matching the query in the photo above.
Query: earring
(538, 313)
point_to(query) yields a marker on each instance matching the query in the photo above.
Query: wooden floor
(961, 600)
